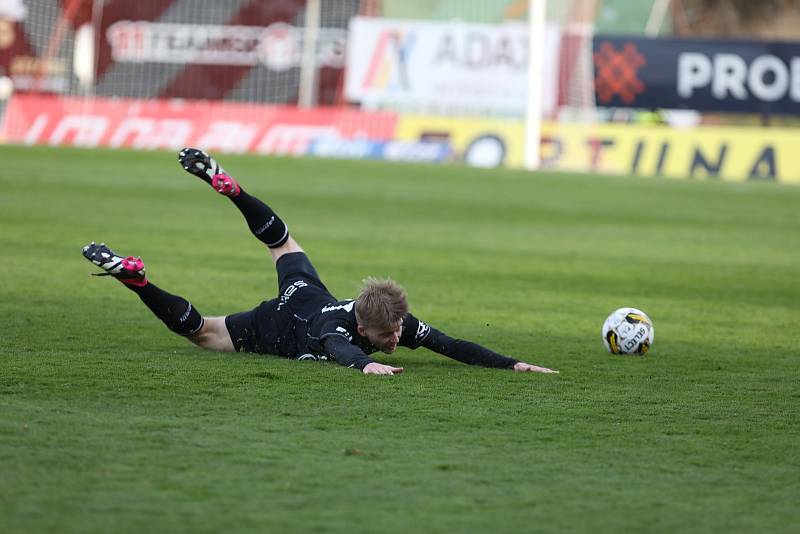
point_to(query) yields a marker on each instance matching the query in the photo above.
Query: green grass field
(110, 423)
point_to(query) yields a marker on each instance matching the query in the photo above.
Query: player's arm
(474, 354)
(345, 353)
(466, 351)
(461, 350)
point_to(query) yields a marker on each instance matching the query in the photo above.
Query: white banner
(279, 46)
(445, 67)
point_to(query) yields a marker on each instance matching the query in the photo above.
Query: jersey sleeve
(459, 349)
(414, 332)
(336, 344)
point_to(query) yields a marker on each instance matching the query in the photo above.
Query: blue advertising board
(701, 74)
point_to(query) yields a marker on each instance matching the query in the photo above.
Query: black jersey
(306, 321)
(338, 320)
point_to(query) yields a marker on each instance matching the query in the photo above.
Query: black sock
(261, 220)
(177, 313)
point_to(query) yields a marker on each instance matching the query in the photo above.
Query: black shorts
(277, 326)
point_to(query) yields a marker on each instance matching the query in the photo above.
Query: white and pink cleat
(128, 270)
(202, 165)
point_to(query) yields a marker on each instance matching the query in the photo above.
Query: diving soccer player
(305, 321)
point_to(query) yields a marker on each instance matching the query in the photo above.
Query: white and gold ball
(628, 331)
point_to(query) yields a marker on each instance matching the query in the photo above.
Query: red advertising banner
(173, 124)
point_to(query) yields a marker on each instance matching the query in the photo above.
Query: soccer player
(305, 321)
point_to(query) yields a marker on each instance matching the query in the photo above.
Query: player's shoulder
(340, 313)
(414, 331)
(338, 318)
(342, 307)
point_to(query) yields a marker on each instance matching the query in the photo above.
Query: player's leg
(175, 312)
(213, 335)
(263, 222)
(288, 247)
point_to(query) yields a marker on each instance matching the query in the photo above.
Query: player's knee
(213, 335)
(287, 248)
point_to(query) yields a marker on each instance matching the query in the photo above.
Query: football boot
(128, 270)
(202, 165)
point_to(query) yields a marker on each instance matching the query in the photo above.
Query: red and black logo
(616, 73)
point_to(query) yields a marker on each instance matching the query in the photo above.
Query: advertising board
(701, 74)
(444, 67)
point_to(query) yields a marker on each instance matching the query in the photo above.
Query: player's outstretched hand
(523, 367)
(376, 368)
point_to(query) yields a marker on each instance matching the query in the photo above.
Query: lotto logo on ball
(628, 331)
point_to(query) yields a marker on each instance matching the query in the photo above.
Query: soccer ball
(628, 331)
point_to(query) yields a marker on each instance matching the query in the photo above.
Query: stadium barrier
(705, 152)
(170, 124)
(227, 76)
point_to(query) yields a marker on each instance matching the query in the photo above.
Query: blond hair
(382, 303)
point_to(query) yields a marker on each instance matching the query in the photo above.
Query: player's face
(385, 339)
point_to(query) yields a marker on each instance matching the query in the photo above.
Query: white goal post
(537, 20)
